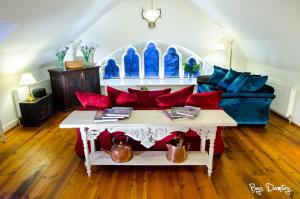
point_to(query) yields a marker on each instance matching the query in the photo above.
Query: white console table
(148, 126)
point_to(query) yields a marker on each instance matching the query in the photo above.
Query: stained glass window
(151, 61)
(131, 64)
(171, 63)
(111, 70)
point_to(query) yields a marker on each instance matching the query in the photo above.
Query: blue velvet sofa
(247, 108)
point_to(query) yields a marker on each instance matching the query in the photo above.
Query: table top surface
(144, 118)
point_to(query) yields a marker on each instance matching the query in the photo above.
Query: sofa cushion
(147, 98)
(113, 94)
(254, 83)
(206, 100)
(127, 99)
(238, 82)
(218, 75)
(207, 88)
(176, 98)
(88, 99)
(228, 79)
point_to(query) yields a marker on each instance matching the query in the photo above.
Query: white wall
(281, 75)
(123, 25)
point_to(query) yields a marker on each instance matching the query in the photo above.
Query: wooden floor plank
(41, 163)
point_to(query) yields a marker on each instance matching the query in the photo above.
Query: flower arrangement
(88, 53)
(192, 68)
(60, 56)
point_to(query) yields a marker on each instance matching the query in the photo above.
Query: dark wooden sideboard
(65, 83)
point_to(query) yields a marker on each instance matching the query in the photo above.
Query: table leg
(93, 147)
(210, 156)
(202, 142)
(86, 151)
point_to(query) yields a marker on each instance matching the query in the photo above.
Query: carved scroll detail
(148, 135)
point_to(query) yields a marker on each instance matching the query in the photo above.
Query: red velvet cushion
(127, 99)
(88, 99)
(113, 94)
(147, 98)
(206, 100)
(176, 98)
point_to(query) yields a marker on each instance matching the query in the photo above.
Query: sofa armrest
(266, 89)
(202, 79)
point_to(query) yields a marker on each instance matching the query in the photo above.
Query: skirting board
(291, 121)
(10, 125)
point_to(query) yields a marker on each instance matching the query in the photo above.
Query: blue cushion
(207, 88)
(228, 79)
(254, 83)
(238, 82)
(218, 75)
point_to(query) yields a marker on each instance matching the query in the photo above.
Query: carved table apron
(149, 127)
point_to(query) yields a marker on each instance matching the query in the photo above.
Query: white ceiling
(267, 31)
(42, 26)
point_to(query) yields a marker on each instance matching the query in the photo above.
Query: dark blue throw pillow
(218, 75)
(254, 83)
(228, 79)
(207, 88)
(238, 82)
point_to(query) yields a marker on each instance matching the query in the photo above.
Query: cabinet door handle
(82, 81)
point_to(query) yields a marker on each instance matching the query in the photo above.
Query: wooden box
(74, 64)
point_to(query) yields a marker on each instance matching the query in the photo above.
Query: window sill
(148, 82)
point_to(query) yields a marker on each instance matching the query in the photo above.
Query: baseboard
(284, 117)
(10, 125)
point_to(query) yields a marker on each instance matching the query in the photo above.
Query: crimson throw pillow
(113, 94)
(122, 98)
(88, 99)
(127, 99)
(147, 98)
(206, 100)
(176, 98)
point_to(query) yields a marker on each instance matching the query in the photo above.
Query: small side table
(36, 112)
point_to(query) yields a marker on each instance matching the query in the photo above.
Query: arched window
(131, 64)
(171, 63)
(191, 61)
(151, 60)
(111, 70)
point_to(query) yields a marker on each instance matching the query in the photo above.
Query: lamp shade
(27, 79)
(151, 15)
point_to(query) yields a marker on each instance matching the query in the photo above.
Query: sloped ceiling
(266, 30)
(42, 26)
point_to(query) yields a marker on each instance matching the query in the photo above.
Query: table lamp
(27, 79)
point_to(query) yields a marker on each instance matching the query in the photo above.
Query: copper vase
(177, 150)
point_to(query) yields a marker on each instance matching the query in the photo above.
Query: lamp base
(30, 98)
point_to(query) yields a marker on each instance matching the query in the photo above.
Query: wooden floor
(41, 163)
